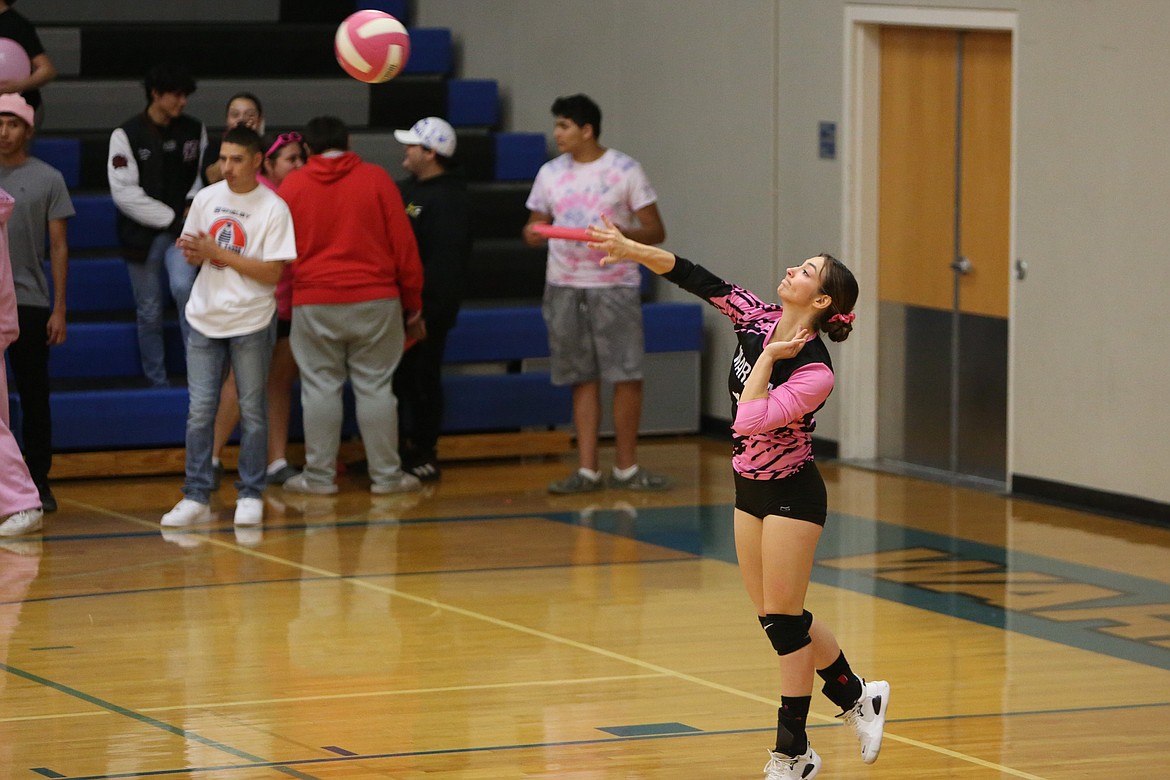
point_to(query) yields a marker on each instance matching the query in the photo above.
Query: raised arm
(619, 248)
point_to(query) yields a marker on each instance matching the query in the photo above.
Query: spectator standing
(241, 234)
(15, 27)
(153, 170)
(436, 202)
(594, 313)
(42, 204)
(286, 153)
(20, 505)
(357, 291)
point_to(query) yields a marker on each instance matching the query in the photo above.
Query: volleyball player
(781, 375)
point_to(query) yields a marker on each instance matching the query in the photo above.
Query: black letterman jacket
(147, 206)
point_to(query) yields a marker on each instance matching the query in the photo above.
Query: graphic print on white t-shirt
(229, 234)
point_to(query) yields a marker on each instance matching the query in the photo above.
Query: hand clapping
(196, 248)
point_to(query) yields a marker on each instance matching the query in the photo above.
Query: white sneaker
(187, 512)
(299, 484)
(188, 540)
(249, 536)
(867, 716)
(401, 483)
(23, 522)
(802, 767)
(249, 511)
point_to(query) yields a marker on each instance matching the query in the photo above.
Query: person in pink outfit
(20, 501)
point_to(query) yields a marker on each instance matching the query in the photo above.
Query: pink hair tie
(845, 318)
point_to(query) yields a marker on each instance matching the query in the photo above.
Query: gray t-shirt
(41, 195)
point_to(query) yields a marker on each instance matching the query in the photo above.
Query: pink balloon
(14, 62)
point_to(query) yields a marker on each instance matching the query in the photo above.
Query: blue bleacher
(106, 276)
(519, 155)
(399, 9)
(64, 154)
(430, 51)
(499, 338)
(94, 225)
(472, 102)
(89, 420)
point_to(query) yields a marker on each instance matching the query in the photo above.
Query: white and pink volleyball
(372, 46)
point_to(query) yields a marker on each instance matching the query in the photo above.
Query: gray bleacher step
(163, 11)
(103, 104)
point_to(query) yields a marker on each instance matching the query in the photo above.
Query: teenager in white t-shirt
(240, 234)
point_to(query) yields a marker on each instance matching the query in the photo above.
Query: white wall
(720, 102)
(1092, 392)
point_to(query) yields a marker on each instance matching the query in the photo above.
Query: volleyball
(372, 46)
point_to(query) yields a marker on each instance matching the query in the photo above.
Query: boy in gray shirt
(42, 203)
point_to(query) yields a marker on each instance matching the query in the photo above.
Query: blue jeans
(146, 279)
(207, 366)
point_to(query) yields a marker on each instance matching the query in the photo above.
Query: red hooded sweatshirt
(354, 240)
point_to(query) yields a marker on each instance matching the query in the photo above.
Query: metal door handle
(962, 265)
(1021, 269)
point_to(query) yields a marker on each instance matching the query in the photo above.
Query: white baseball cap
(431, 132)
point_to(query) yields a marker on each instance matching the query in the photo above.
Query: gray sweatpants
(361, 342)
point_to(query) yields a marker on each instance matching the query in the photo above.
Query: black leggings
(801, 495)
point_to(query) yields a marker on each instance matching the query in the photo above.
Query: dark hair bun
(838, 330)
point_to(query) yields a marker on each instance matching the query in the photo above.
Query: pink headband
(845, 318)
(283, 140)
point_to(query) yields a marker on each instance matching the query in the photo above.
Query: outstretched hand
(610, 240)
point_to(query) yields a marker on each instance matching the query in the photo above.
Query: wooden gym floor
(486, 630)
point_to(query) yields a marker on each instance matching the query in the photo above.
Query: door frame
(859, 207)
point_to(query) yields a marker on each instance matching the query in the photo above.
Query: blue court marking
(287, 766)
(57, 647)
(650, 729)
(339, 751)
(43, 772)
(148, 721)
(959, 578)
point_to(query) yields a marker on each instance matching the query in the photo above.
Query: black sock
(842, 686)
(791, 737)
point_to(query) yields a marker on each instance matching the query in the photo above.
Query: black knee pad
(788, 633)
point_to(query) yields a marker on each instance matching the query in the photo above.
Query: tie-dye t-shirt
(577, 195)
(772, 436)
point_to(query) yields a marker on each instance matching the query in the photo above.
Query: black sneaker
(282, 475)
(48, 500)
(426, 472)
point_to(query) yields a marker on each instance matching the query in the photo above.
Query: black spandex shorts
(801, 496)
(283, 328)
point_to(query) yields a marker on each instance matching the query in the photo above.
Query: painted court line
(544, 635)
(146, 720)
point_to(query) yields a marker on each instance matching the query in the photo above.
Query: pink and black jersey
(772, 436)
